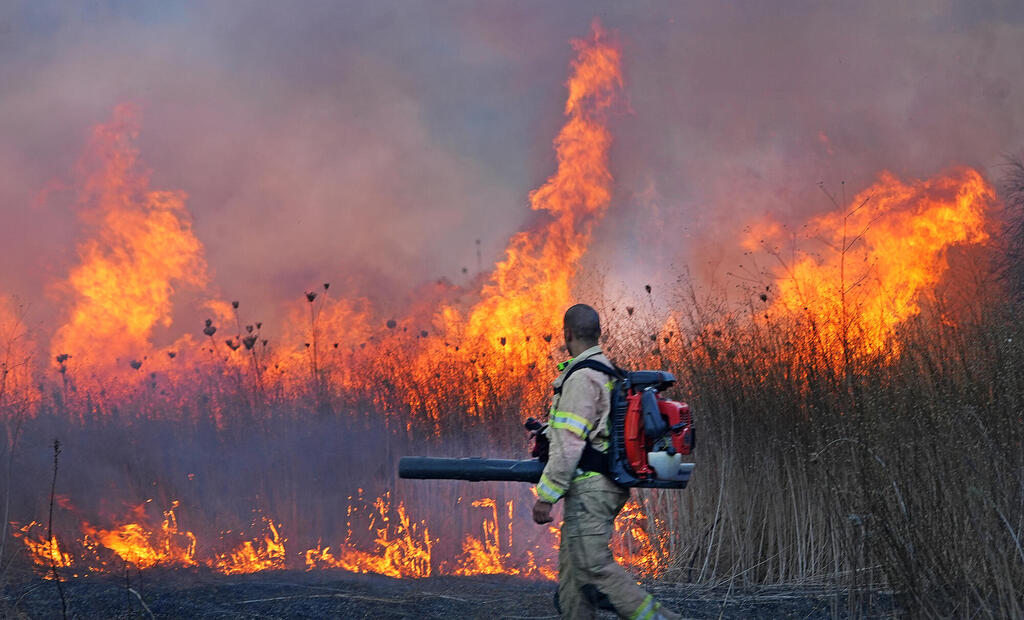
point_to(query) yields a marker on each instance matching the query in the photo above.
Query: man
(587, 571)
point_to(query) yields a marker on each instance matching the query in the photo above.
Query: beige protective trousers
(585, 558)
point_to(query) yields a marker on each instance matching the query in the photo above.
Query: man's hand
(542, 512)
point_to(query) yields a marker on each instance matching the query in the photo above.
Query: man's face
(567, 336)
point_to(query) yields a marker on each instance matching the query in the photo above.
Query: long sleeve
(572, 419)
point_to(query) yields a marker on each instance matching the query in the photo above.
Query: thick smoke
(371, 145)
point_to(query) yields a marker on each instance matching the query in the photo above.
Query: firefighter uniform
(586, 568)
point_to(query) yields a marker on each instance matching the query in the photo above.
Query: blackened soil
(330, 594)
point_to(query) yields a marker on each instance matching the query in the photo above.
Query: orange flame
(322, 335)
(530, 289)
(143, 249)
(884, 251)
(253, 556)
(401, 547)
(142, 546)
(44, 553)
(632, 544)
(484, 557)
(404, 552)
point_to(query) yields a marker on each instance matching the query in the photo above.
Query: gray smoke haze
(370, 144)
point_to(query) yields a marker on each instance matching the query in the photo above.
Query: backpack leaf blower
(649, 436)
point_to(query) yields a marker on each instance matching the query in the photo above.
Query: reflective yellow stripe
(646, 609)
(571, 422)
(585, 475)
(572, 416)
(572, 427)
(548, 490)
(608, 386)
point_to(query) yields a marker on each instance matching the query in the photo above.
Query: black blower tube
(474, 468)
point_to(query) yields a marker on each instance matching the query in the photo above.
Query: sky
(370, 144)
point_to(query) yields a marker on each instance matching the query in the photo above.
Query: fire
(253, 556)
(44, 552)
(884, 251)
(402, 547)
(142, 250)
(530, 289)
(484, 557)
(142, 546)
(632, 544)
(324, 335)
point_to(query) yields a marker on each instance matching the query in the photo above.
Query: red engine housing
(636, 442)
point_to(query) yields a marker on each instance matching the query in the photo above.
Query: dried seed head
(234, 305)
(310, 296)
(136, 364)
(392, 323)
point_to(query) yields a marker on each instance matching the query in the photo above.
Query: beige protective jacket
(578, 414)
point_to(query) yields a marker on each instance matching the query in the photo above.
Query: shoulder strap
(612, 371)
(592, 459)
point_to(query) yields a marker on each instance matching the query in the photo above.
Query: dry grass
(854, 472)
(903, 473)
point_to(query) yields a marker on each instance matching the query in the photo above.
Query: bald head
(582, 328)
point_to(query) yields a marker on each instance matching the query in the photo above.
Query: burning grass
(898, 471)
(858, 407)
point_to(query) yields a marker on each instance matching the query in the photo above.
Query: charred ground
(333, 594)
